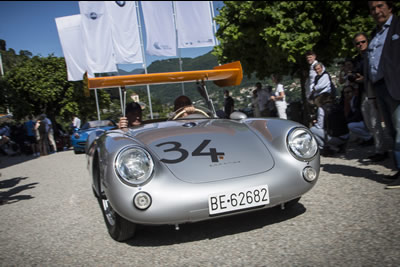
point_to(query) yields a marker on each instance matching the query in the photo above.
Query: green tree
(39, 85)
(272, 36)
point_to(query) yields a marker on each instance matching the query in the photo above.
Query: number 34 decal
(199, 151)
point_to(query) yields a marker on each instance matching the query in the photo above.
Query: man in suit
(383, 72)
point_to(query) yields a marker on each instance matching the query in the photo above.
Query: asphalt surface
(49, 217)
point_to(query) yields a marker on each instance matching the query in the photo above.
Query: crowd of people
(270, 101)
(370, 95)
(33, 137)
(369, 98)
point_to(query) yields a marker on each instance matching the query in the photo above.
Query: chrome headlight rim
(141, 181)
(289, 143)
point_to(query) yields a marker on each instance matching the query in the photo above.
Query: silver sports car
(199, 167)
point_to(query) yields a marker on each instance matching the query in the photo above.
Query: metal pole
(179, 51)
(2, 74)
(1, 66)
(121, 102)
(214, 23)
(97, 104)
(144, 57)
(123, 112)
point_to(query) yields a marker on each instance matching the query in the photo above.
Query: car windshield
(95, 124)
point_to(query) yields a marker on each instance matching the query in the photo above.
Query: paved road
(50, 218)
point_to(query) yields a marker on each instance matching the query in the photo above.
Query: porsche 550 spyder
(198, 167)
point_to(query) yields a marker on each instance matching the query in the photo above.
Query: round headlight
(302, 144)
(134, 165)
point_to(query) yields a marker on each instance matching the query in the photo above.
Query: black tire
(119, 228)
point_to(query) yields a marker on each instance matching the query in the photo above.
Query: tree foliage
(39, 85)
(273, 36)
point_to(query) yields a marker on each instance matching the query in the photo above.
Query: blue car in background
(79, 137)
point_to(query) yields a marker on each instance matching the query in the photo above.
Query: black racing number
(199, 151)
(176, 147)
(213, 152)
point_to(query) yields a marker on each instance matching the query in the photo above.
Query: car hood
(206, 150)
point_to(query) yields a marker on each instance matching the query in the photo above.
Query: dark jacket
(355, 114)
(390, 58)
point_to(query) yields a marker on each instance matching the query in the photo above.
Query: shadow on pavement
(8, 161)
(351, 171)
(166, 235)
(359, 153)
(11, 196)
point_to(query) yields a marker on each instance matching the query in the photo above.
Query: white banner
(69, 31)
(160, 29)
(125, 31)
(97, 40)
(194, 24)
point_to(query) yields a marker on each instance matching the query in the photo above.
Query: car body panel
(224, 136)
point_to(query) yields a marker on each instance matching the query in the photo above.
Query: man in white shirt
(311, 58)
(76, 122)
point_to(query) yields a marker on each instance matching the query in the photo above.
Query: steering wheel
(196, 110)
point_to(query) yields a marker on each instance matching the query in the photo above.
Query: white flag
(125, 32)
(160, 29)
(69, 31)
(194, 24)
(97, 41)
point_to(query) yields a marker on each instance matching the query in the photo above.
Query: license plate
(238, 200)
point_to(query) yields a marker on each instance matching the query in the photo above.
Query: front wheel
(119, 228)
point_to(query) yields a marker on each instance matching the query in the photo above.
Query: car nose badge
(189, 124)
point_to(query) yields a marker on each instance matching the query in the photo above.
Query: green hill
(167, 93)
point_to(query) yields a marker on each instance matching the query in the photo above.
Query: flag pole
(144, 56)
(97, 104)
(179, 51)
(1, 66)
(214, 23)
(2, 75)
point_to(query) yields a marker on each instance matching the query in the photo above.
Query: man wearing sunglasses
(369, 108)
(383, 72)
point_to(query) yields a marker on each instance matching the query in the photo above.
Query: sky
(30, 25)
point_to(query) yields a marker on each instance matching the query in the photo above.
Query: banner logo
(120, 3)
(93, 15)
(159, 46)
